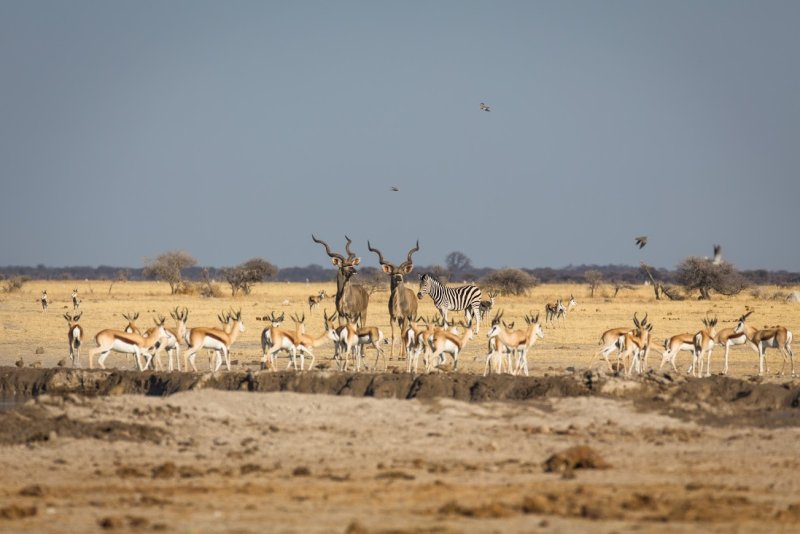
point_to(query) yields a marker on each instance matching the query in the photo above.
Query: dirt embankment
(716, 399)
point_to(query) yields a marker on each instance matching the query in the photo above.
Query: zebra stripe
(467, 298)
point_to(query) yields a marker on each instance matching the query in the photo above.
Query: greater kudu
(351, 300)
(402, 300)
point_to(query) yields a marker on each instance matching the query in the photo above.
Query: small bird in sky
(641, 241)
(484, 107)
(395, 188)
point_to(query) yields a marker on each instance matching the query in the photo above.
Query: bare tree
(168, 266)
(594, 279)
(458, 263)
(619, 285)
(123, 275)
(705, 275)
(510, 281)
(245, 276)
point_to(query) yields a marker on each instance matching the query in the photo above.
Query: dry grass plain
(231, 461)
(25, 327)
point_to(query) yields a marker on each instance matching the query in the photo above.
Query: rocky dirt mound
(32, 423)
(715, 400)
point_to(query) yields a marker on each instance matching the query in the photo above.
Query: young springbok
(75, 338)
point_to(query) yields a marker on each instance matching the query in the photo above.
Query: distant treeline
(316, 273)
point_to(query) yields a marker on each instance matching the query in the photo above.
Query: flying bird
(717, 255)
(395, 188)
(641, 241)
(484, 107)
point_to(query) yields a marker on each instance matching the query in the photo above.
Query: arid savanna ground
(571, 343)
(677, 454)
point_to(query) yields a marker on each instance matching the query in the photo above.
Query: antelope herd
(436, 339)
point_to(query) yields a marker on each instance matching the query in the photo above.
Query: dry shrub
(14, 283)
(701, 274)
(509, 281)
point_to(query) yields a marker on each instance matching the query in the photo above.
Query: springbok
(131, 327)
(554, 311)
(275, 339)
(109, 340)
(402, 304)
(571, 304)
(487, 305)
(306, 343)
(637, 346)
(75, 338)
(675, 344)
(517, 342)
(742, 334)
(314, 300)
(704, 344)
(44, 300)
(371, 335)
(173, 339)
(413, 342)
(777, 337)
(214, 338)
(76, 302)
(614, 339)
(496, 349)
(351, 300)
(448, 343)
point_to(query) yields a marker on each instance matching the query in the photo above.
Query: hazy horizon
(236, 130)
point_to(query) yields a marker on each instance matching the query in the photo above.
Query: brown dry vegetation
(25, 327)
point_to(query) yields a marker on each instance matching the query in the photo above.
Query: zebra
(467, 298)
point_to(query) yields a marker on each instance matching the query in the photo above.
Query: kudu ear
(356, 261)
(386, 268)
(336, 262)
(406, 268)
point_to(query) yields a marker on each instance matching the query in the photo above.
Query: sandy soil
(216, 461)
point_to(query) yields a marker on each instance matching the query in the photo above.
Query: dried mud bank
(716, 399)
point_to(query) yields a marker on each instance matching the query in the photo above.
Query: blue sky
(236, 129)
